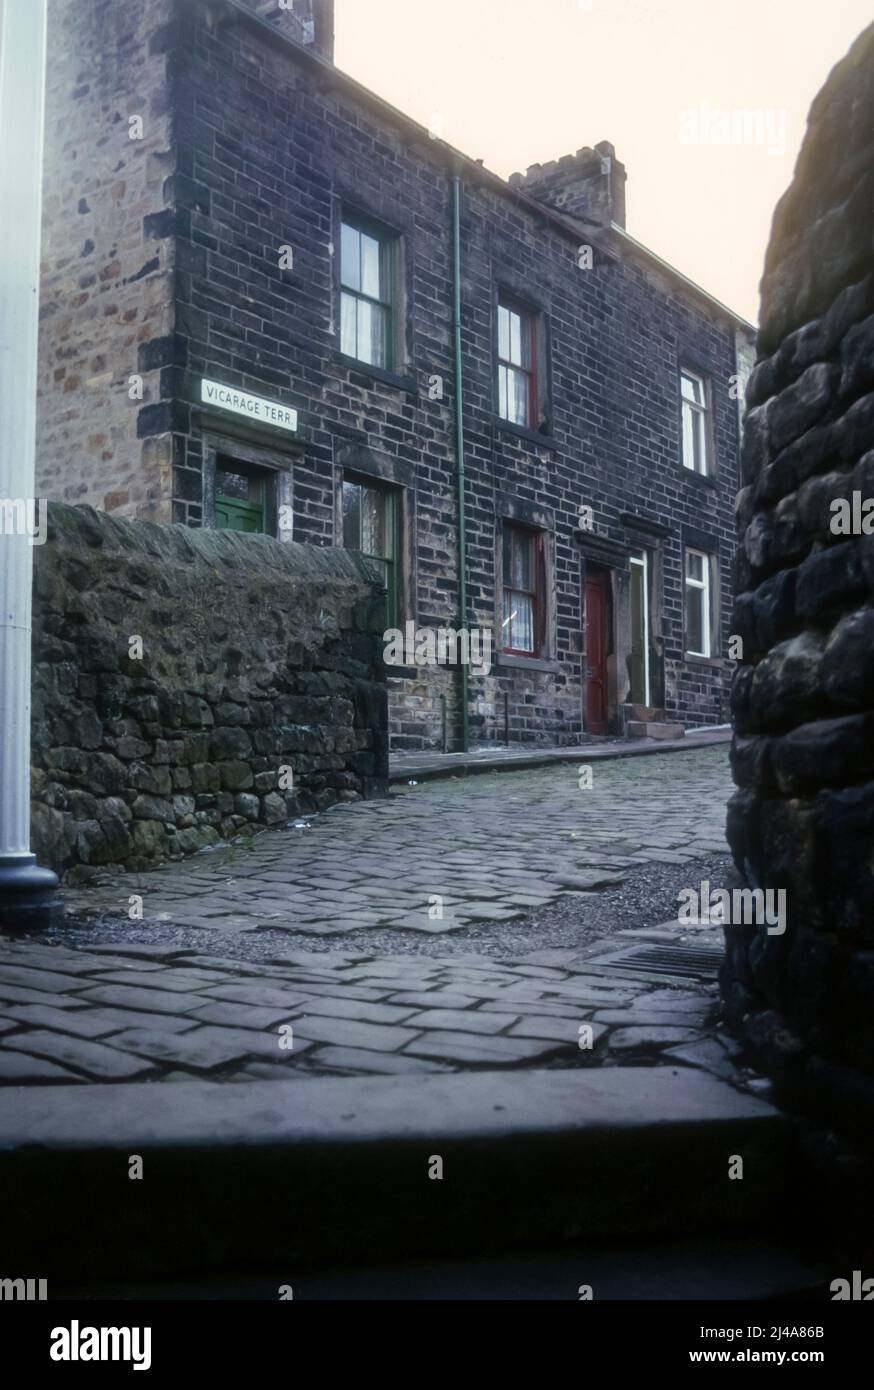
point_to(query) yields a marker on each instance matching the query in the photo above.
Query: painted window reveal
(640, 680)
(698, 634)
(366, 295)
(524, 591)
(517, 383)
(693, 394)
(370, 525)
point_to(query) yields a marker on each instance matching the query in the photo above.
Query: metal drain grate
(689, 962)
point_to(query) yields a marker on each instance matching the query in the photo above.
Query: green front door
(239, 499)
(232, 515)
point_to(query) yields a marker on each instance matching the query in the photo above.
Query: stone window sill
(713, 661)
(401, 383)
(700, 479)
(528, 663)
(544, 441)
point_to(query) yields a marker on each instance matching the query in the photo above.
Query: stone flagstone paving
(122, 1013)
(495, 846)
(490, 848)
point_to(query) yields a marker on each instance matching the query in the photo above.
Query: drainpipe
(459, 450)
(28, 895)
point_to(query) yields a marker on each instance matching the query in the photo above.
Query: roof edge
(457, 160)
(654, 259)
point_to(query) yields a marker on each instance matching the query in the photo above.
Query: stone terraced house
(272, 302)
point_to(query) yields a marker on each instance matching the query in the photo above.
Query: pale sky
(519, 82)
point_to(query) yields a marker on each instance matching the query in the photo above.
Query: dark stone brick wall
(254, 142)
(270, 147)
(260, 692)
(803, 701)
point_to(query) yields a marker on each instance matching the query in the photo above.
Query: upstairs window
(366, 318)
(370, 525)
(693, 396)
(524, 591)
(698, 635)
(517, 378)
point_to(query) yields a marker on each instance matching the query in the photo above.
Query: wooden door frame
(275, 464)
(642, 559)
(594, 570)
(606, 571)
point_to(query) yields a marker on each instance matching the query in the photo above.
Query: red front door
(597, 646)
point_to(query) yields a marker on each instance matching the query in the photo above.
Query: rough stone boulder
(803, 699)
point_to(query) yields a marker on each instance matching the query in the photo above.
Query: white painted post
(27, 893)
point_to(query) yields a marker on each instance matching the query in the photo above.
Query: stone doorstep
(528, 1156)
(651, 728)
(486, 1106)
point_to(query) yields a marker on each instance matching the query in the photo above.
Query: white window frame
(511, 367)
(703, 587)
(697, 413)
(353, 296)
(642, 559)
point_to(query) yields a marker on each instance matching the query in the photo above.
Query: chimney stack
(309, 22)
(589, 185)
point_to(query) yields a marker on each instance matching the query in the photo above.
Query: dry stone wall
(802, 819)
(194, 686)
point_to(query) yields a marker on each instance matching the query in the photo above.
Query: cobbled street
(441, 856)
(508, 845)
